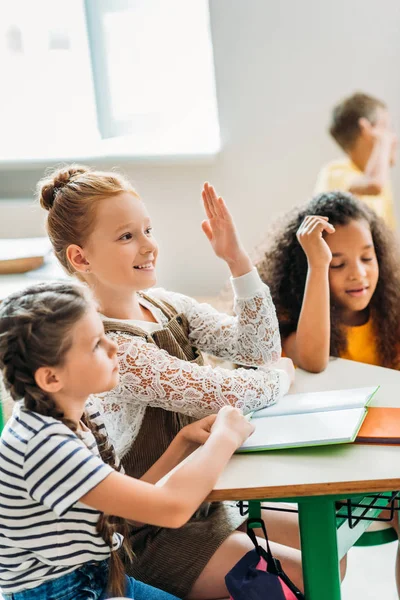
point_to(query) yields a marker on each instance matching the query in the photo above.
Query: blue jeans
(89, 582)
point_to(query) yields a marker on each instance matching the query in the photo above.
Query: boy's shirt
(339, 175)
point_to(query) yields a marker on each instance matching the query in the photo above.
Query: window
(106, 77)
(47, 105)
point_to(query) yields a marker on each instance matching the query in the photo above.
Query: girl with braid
(101, 232)
(60, 479)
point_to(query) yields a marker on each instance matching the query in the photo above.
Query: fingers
(209, 420)
(320, 227)
(209, 198)
(203, 436)
(206, 227)
(206, 203)
(214, 206)
(313, 224)
(224, 212)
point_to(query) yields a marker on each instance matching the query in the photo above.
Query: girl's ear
(48, 380)
(76, 258)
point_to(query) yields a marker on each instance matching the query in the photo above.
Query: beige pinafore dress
(171, 559)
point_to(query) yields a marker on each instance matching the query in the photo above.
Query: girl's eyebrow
(122, 227)
(127, 225)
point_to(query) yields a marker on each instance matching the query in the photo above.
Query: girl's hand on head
(311, 240)
(232, 423)
(199, 431)
(221, 232)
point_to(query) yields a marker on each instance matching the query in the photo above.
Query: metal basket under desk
(353, 510)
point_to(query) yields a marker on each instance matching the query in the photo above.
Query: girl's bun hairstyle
(71, 196)
(48, 187)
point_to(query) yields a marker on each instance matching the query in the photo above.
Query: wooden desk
(316, 478)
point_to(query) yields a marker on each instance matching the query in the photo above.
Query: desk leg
(319, 549)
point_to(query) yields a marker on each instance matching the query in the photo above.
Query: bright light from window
(161, 74)
(47, 102)
(150, 62)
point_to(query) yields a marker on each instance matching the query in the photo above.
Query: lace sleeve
(250, 338)
(150, 376)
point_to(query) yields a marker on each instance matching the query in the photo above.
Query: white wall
(279, 66)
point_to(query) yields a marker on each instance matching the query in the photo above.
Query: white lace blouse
(150, 376)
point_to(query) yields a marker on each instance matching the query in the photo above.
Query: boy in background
(361, 125)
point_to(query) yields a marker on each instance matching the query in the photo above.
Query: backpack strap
(273, 564)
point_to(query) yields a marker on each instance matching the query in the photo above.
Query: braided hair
(283, 267)
(35, 331)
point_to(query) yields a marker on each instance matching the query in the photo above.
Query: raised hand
(221, 233)
(311, 240)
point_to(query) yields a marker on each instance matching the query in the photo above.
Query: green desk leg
(319, 549)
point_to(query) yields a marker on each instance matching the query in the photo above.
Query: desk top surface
(338, 469)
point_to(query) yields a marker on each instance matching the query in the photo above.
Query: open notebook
(312, 419)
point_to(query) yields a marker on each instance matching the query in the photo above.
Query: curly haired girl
(334, 275)
(59, 475)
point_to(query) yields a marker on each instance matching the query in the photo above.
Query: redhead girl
(101, 231)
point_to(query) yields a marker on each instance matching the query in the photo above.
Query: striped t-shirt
(45, 532)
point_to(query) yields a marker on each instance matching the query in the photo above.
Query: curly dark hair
(35, 328)
(284, 268)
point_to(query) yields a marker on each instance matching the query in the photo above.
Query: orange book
(380, 426)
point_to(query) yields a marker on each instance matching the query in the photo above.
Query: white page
(317, 401)
(305, 430)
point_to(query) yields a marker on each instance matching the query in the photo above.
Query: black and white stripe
(45, 531)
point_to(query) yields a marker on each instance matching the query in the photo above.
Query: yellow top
(361, 345)
(339, 174)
